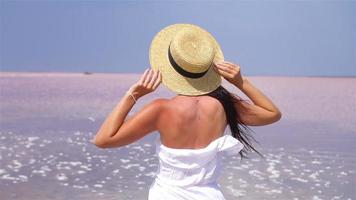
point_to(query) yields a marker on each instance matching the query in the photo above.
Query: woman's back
(191, 122)
(189, 149)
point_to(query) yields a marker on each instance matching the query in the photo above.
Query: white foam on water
(8, 177)
(150, 174)
(91, 119)
(274, 191)
(343, 173)
(236, 192)
(316, 162)
(46, 168)
(138, 148)
(31, 161)
(257, 174)
(152, 165)
(141, 168)
(2, 171)
(261, 186)
(124, 160)
(98, 185)
(141, 183)
(16, 164)
(61, 177)
(146, 159)
(31, 139)
(237, 167)
(300, 179)
(69, 140)
(244, 185)
(317, 198)
(314, 175)
(41, 172)
(336, 197)
(23, 178)
(80, 186)
(130, 166)
(86, 167)
(274, 173)
(242, 181)
(244, 166)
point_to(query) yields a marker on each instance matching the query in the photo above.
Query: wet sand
(47, 120)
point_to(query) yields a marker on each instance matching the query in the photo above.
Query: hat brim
(159, 60)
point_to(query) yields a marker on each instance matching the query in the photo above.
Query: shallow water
(47, 121)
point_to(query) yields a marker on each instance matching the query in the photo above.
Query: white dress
(191, 174)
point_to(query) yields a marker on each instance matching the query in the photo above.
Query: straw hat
(184, 54)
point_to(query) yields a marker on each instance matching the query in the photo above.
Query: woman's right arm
(262, 111)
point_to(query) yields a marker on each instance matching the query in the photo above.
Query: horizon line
(136, 73)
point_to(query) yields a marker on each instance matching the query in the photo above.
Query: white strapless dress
(191, 174)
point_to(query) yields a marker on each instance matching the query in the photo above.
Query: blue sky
(288, 38)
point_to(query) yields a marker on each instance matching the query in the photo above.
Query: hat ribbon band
(181, 71)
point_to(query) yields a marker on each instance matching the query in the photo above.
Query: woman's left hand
(148, 83)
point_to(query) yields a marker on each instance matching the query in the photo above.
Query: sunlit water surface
(47, 121)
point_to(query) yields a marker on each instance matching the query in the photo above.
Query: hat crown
(192, 51)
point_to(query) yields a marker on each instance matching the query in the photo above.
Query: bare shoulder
(152, 109)
(210, 100)
(210, 104)
(159, 103)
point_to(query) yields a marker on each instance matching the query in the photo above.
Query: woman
(189, 61)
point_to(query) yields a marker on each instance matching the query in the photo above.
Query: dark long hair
(238, 129)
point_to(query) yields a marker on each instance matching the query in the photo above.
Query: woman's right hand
(148, 83)
(230, 71)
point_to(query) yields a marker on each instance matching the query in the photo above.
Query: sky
(266, 38)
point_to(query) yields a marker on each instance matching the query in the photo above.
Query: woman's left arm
(115, 131)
